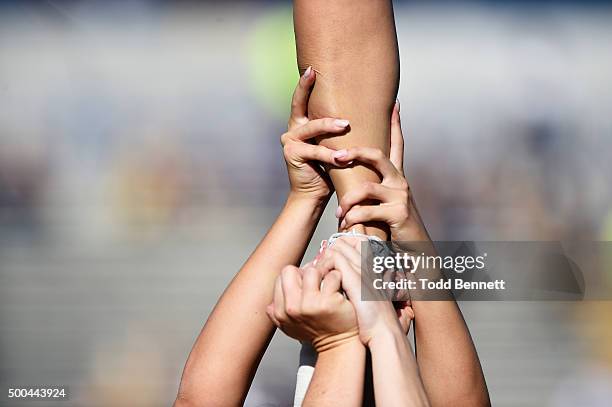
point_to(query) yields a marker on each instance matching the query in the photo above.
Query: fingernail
(397, 103)
(341, 123)
(307, 72)
(339, 212)
(343, 224)
(340, 154)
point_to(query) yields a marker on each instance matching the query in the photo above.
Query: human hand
(310, 307)
(374, 317)
(306, 176)
(397, 207)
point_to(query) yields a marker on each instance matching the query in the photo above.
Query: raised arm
(394, 369)
(446, 354)
(238, 328)
(352, 46)
(310, 308)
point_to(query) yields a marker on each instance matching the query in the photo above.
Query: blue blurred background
(140, 165)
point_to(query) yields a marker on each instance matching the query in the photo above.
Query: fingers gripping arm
(352, 46)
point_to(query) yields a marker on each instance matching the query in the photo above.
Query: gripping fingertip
(395, 116)
(307, 73)
(340, 154)
(341, 123)
(270, 310)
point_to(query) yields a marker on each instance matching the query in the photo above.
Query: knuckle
(287, 269)
(285, 138)
(279, 316)
(333, 251)
(327, 258)
(368, 187)
(347, 200)
(309, 309)
(294, 123)
(311, 272)
(377, 154)
(348, 218)
(351, 217)
(326, 308)
(289, 149)
(292, 311)
(404, 212)
(320, 153)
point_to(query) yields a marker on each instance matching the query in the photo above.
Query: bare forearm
(445, 352)
(241, 309)
(352, 46)
(396, 377)
(446, 355)
(338, 377)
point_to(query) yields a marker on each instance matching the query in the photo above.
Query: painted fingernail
(339, 212)
(341, 123)
(340, 153)
(307, 72)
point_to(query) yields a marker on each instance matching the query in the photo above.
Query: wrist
(410, 228)
(312, 200)
(410, 232)
(385, 335)
(329, 343)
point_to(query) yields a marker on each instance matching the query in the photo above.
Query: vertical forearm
(338, 377)
(446, 355)
(241, 309)
(396, 377)
(352, 46)
(445, 352)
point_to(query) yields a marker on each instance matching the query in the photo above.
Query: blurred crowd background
(140, 165)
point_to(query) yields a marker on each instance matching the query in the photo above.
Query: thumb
(350, 278)
(396, 152)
